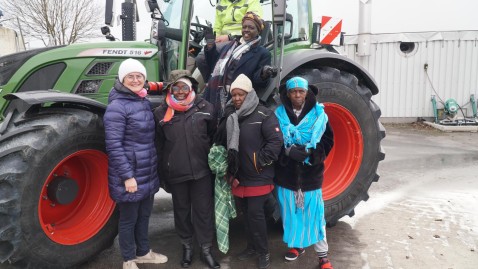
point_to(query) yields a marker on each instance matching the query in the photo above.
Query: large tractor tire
(351, 166)
(55, 209)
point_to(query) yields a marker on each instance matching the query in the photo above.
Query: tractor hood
(9, 64)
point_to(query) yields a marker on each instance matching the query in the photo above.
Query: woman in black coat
(185, 124)
(241, 56)
(250, 132)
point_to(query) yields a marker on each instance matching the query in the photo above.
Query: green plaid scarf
(223, 200)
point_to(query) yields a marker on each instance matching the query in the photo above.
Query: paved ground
(421, 213)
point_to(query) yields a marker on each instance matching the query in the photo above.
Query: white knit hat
(130, 66)
(242, 82)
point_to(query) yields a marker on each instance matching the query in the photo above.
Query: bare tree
(56, 22)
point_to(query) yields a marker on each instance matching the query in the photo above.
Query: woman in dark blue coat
(240, 56)
(132, 162)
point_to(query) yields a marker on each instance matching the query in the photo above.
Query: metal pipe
(365, 27)
(473, 105)
(21, 34)
(435, 111)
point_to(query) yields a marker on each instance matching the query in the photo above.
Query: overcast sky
(388, 16)
(392, 16)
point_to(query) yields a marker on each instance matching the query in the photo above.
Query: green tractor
(55, 210)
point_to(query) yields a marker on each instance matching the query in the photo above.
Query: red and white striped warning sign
(330, 30)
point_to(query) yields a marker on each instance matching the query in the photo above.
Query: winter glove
(269, 72)
(209, 36)
(297, 153)
(232, 162)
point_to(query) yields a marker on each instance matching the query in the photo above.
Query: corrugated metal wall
(405, 88)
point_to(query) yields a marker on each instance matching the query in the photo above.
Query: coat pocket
(200, 123)
(255, 162)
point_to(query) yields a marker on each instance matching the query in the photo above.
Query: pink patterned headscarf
(173, 104)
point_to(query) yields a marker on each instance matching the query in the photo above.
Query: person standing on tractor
(185, 125)
(239, 56)
(132, 161)
(308, 139)
(250, 133)
(227, 26)
(229, 14)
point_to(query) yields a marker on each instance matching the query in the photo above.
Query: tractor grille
(89, 86)
(99, 69)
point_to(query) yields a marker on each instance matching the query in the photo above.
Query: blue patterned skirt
(302, 226)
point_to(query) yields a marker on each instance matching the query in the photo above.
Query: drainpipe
(21, 34)
(365, 27)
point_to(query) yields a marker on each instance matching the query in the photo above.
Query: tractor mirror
(151, 6)
(158, 32)
(288, 26)
(278, 8)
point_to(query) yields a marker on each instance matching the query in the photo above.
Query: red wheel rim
(343, 162)
(83, 218)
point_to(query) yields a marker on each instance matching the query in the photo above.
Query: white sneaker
(151, 257)
(130, 265)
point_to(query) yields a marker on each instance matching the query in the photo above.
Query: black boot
(264, 261)
(207, 257)
(247, 253)
(187, 255)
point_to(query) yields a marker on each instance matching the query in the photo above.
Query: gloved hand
(297, 153)
(209, 36)
(269, 72)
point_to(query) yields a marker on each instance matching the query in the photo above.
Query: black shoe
(187, 255)
(247, 254)
(264, 261)
(208, 259)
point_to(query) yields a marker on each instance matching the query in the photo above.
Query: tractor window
(172, 14)
(299, 9)
(43, 79)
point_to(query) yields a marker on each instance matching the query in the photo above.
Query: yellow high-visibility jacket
(229, 15)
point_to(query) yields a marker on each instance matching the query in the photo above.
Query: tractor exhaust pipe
(365, 27)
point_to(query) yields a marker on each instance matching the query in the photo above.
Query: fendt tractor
(55, 210)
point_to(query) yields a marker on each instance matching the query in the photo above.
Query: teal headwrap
(297, 82)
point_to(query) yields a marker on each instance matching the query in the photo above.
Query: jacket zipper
(255, 163)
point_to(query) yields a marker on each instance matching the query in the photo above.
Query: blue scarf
(308, 132)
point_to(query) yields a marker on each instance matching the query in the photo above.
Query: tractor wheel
(351, 166)
(55, 209)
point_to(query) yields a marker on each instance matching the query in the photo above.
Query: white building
(414, 55)
(411, 67)
(10, 41)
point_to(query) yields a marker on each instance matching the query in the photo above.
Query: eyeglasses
(184, 88)
(133, 77)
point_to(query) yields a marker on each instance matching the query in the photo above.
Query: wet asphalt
(421, 214)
